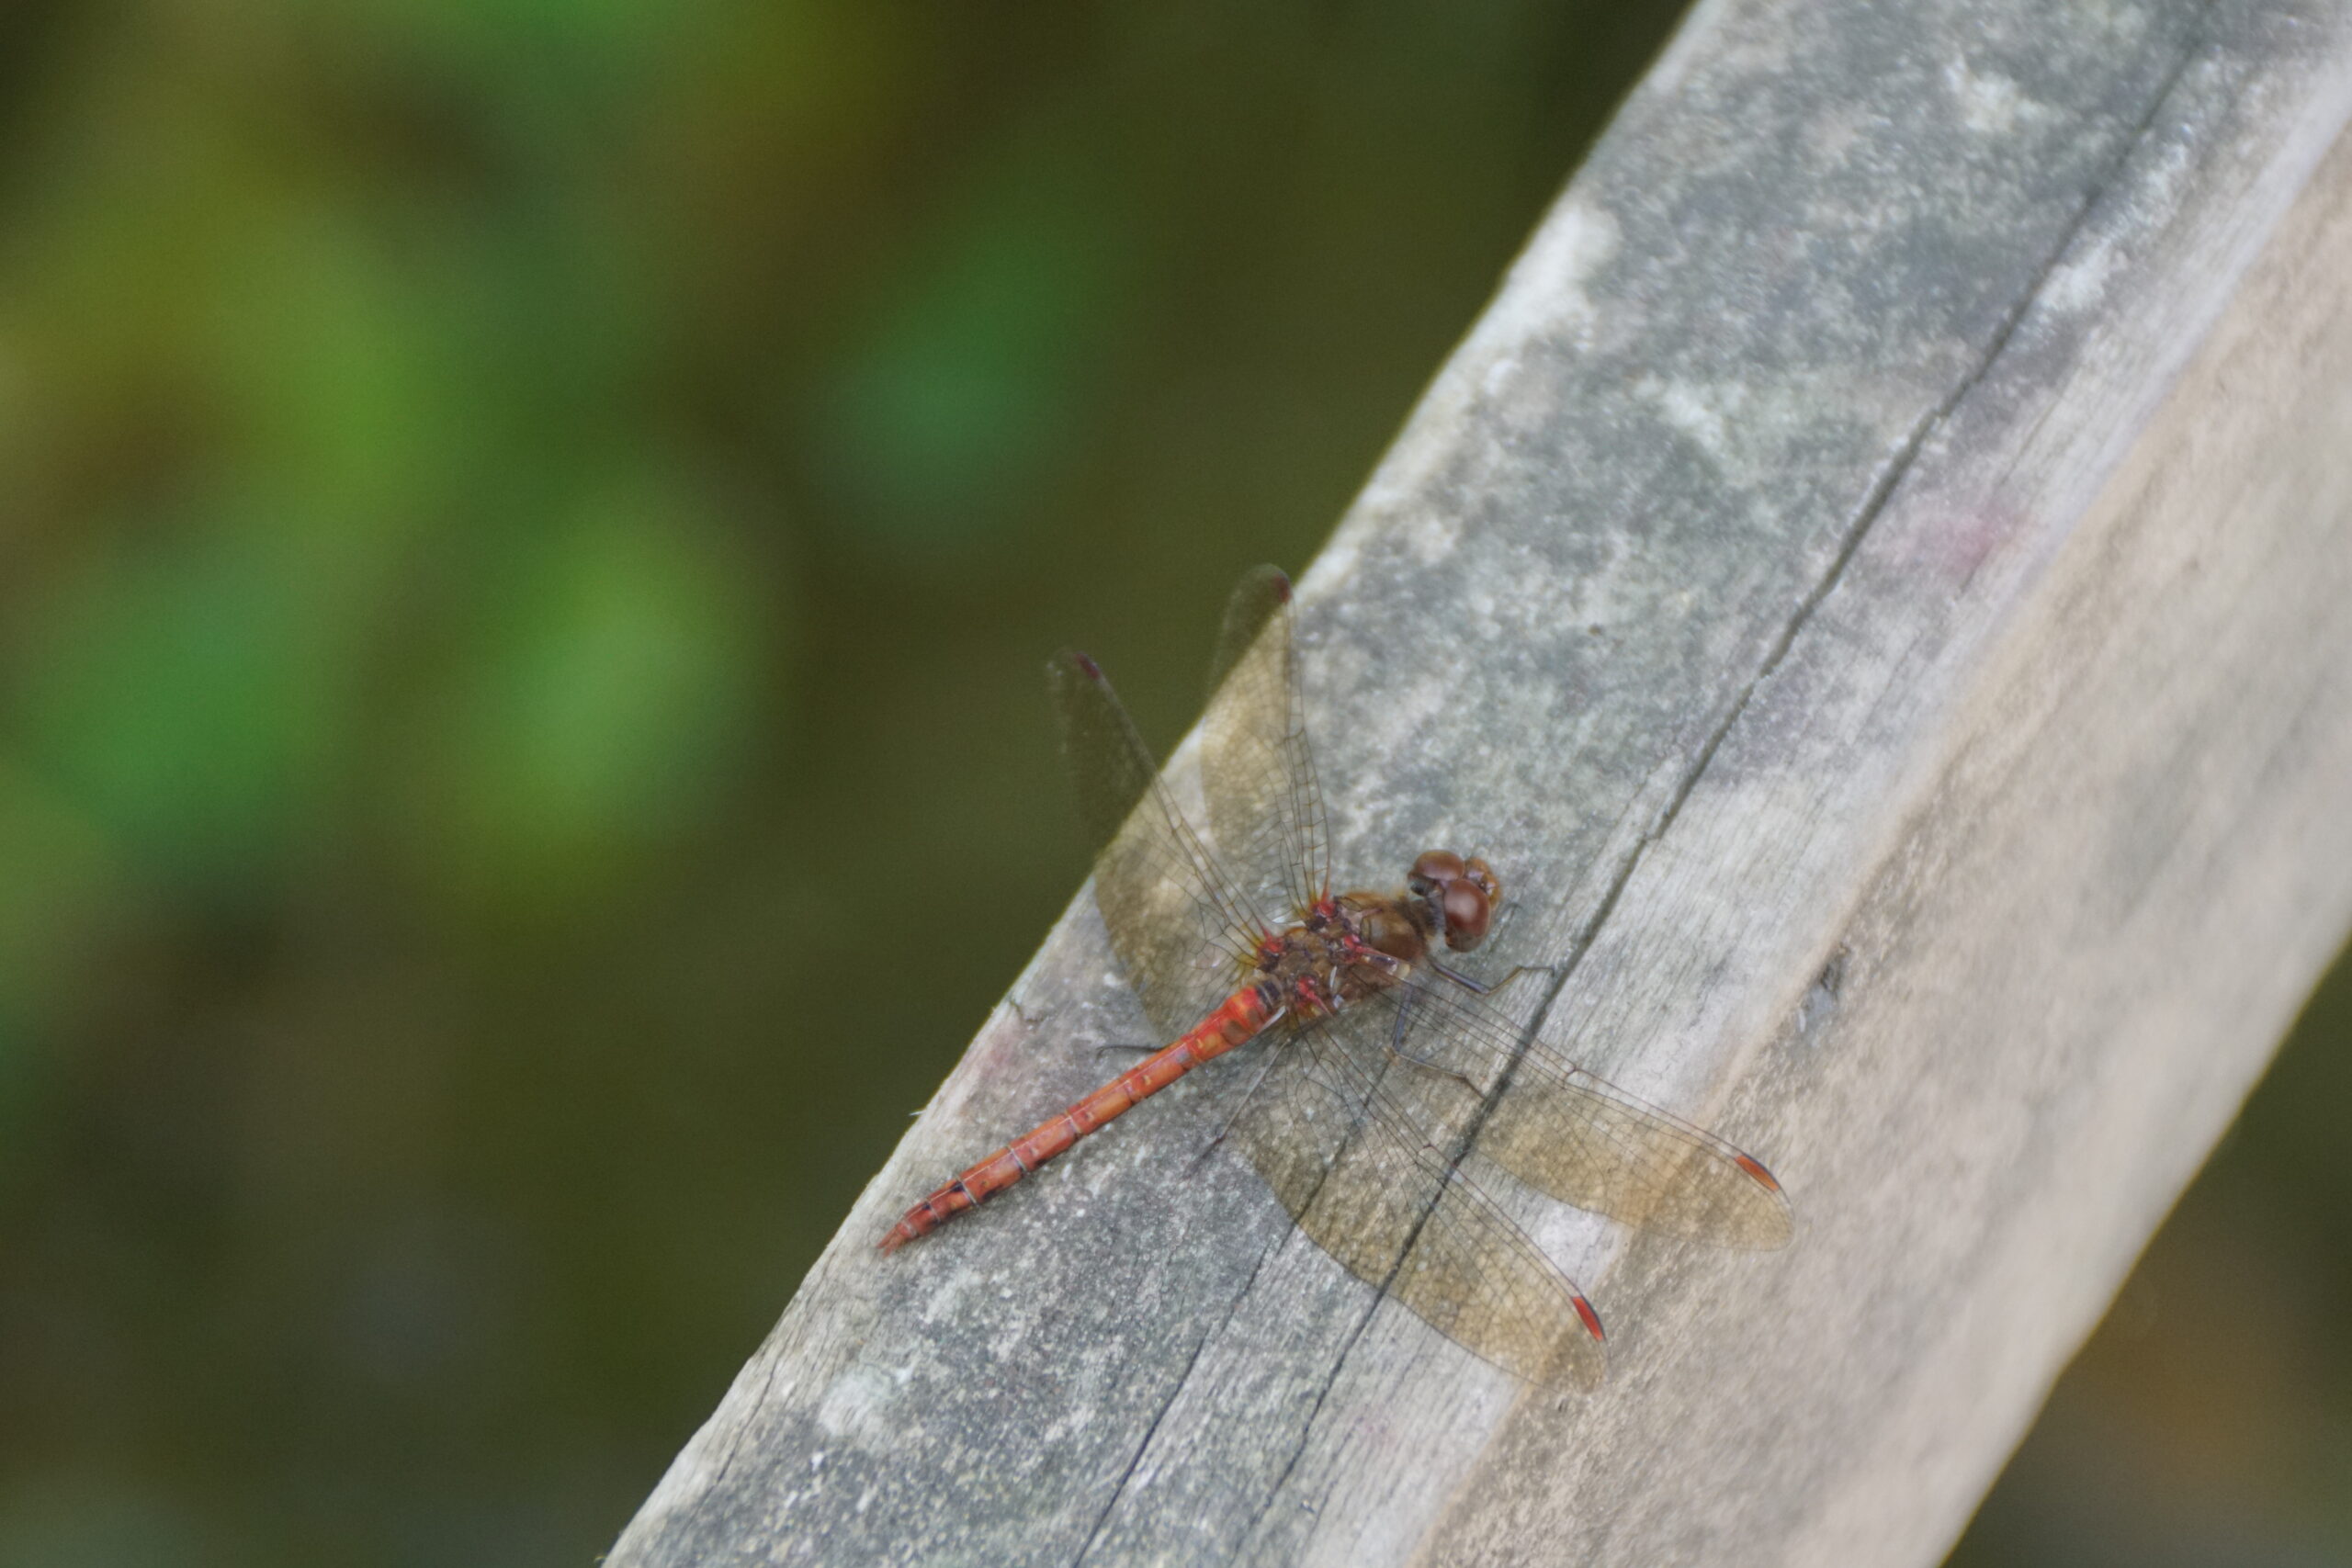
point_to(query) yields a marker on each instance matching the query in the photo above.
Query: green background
(528, 536)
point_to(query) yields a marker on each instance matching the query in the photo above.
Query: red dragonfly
(1383, 1070)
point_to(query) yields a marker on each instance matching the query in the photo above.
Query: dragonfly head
(1458, 896)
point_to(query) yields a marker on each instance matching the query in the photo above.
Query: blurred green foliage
(528, 533)
(531, 533)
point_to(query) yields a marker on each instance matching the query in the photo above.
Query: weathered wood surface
(1878, 583)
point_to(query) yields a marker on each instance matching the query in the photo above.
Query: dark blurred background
(528, 536)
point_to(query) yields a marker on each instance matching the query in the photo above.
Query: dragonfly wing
(1479, 1280)
(1585, 1142)
(1382, 1195)
(1265, 809)
(1178, 922)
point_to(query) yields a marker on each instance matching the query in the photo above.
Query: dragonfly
(1387, 1074)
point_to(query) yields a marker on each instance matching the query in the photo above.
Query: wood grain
(1878, 584)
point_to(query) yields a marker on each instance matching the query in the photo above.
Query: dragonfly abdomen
(1234, 1022)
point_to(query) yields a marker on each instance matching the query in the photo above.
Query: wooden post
(1878, 584)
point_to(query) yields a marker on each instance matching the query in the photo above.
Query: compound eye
(1467, 912)
(1482, 873)
(1438, 865)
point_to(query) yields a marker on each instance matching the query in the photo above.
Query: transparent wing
(1374, 1184)
(1265, 810)
(1581, 1139)
(1178, 922)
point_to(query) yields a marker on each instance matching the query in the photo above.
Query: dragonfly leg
(1223, 1133)
(1518, 971)
(1405, 1022)
(1474, 987)
(1484, 987)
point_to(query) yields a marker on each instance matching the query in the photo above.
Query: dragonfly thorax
(1350, 946)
